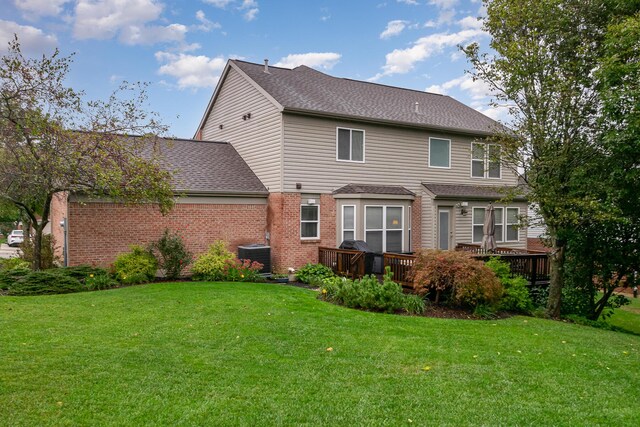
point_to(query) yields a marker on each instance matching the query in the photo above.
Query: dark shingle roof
(201, 167)
(478, 192)
(304, 89)
(374, 189)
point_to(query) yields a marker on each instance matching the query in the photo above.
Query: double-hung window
(350, 145)
(504, 232)
(439, 153)
(511, 233)
(485, 160)
(348, 222)
(310, 221)
(384, 228)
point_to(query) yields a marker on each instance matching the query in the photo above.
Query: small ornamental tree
(51, 141)
(456, 276)
(172, 254)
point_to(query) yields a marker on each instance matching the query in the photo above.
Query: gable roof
(394, 190)
(476, 192)
(208, 167)
(307, 91)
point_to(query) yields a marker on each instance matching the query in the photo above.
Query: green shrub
(45, 283)
(211, 264)
(13, 263)
(516, 295)
(455, 277)
(137, 266)
(245, 270)
(172, 254)
(81, 272)
(48, 259)
(314, 272)
(369, 294)
(100, 281)
(9, 277)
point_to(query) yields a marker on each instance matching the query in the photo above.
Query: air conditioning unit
(257, 252)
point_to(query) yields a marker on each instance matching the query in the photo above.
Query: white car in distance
(15, 238)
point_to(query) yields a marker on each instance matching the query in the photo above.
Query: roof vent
(266, 66)
(417, 107)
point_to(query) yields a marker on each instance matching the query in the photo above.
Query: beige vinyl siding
(257, 139)
(428, 221)
(393, 156)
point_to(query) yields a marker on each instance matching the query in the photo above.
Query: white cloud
(410, 2)
(401, 61)
(40, 7)
(219, 3)
(32, 40)
(394, 28)
(126, 19)
(134, 34)
(191, 71)
(470, 22)
(477, 89)
(444, 4)
(324, 60)
(205, 24)
(251, 9)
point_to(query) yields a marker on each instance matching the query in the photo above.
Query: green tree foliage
(547, 54)
(51, 141)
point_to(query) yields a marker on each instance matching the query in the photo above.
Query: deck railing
(343, 262)
(534, 267)
(400, 266)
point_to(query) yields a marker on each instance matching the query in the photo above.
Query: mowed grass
(256, 354)
(627, 317)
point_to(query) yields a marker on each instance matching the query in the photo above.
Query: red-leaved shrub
(456, 277)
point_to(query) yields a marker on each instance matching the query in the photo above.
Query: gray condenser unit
(257, 252)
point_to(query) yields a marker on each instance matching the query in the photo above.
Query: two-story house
(307, 160)
(344, 159)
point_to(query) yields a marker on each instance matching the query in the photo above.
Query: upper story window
(439, 153)
(485, 160)
(350, 145)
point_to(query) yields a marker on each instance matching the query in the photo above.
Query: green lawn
(628, 316)
(247, 354)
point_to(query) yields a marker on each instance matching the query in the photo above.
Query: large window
(383, 228)
(439, 153)
(350, 144)
(309, 221)
(348, 222)
(513, 219)
(485, 160)
(508, 233)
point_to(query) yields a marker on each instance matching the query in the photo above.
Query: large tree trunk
(37, 248)
(556, 280)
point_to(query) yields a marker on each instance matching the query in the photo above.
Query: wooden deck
(532, 265)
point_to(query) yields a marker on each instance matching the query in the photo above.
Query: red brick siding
(283, 219)
(416, 224)
(98, 232)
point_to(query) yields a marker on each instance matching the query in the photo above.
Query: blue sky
(180, 47)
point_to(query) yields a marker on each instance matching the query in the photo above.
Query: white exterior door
(445, 233)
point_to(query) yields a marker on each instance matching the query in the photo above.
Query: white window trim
(473, 224)
(364, 138)
(440, 167)
(355, 222)
(486, 161)
(307, 221)
(384, 225)
(506, 223)
(410, 221)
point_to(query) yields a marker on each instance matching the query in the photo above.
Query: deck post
(534, 270)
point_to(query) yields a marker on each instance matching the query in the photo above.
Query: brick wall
(283, 219)
(98, 232)
(57, 213)
(416, 224)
